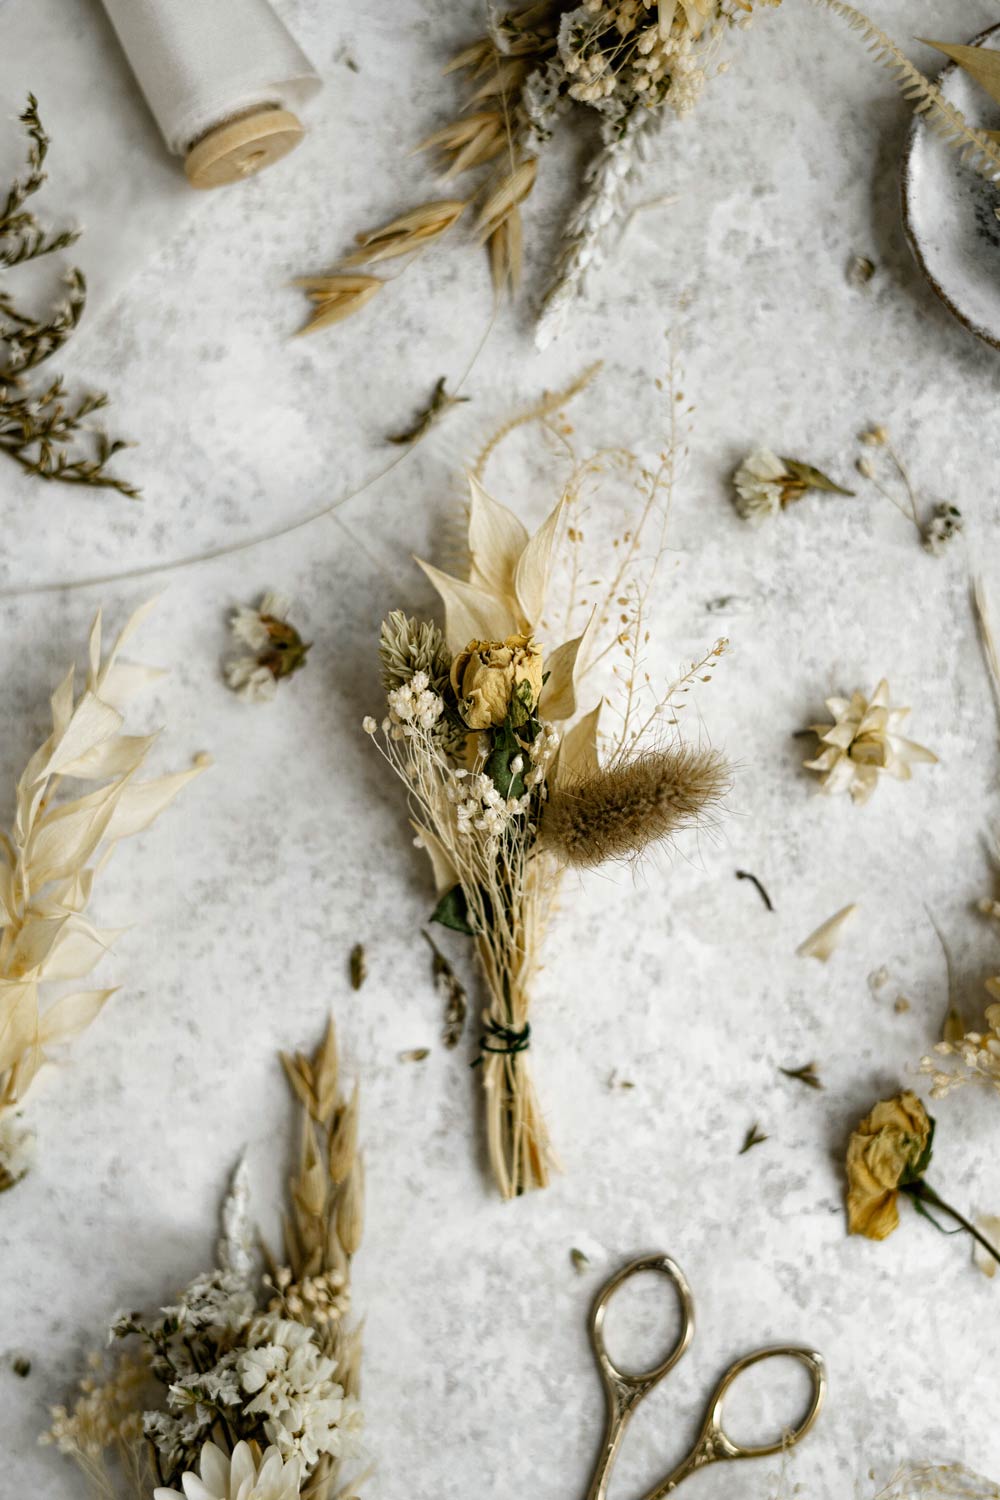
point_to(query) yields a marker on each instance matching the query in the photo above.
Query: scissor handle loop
(629, 1382)
(714, 1435)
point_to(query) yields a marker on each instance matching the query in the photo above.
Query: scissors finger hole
(770, 1402)
(643, 1323)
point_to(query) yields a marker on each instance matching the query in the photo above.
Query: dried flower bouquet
(492, 725)
(48, 865)
(630, 62)
(247, 1388)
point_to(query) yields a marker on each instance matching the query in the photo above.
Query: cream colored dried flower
(765, 484)
(489, 675)
(863, 743)
(245, 1475)
(976, 1055)
(274, 649)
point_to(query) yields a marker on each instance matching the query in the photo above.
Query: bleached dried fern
(49, 862)
(975, 148)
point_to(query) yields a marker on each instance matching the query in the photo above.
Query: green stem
(924, 1193)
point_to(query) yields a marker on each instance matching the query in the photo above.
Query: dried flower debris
(826, 939)
(881, 464)
(358, 966)
(439, 405)
(272, 649)
(451, 992)
(754, 1137)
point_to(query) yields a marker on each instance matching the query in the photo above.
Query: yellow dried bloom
(488, 674)
(889, 1140)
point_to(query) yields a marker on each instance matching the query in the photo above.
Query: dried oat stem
(324, 1221)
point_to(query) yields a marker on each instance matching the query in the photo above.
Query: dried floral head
(765, 484)
(864, 743)
(891, 1146)
(617, 812)
(246, 1474)
(275, 649)
(493, 679)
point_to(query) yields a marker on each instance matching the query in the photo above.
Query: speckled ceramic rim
(908, 223)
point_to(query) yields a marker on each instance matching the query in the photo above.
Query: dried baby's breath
(55, 849)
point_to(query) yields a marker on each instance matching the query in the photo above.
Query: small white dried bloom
(759, 483)
(274, 649)
(369, 725)
(305, 1411)
(241, 1477)
(250, 681)
(863, 743)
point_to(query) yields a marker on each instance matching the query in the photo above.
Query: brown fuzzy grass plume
(615, 814)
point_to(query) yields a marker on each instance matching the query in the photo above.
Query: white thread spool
(224, 80)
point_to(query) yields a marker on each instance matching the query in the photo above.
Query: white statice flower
(249, 626)
(17, 1150)
(272, 648)
(759, 482)
(304, 1409)
(240, 1477)
(219, 1301)
(863, 743)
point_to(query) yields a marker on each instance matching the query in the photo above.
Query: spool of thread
(224, 79)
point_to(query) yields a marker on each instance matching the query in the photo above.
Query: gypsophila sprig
(271, 649)
(246, 1388)
(509, 781)
(630, 63)
(49, 862)
(43, 430)
(973, 1058)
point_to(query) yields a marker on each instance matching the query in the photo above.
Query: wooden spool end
(243, 147)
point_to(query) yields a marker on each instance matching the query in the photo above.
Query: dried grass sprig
(975, 147)
(40, 429)
(53, 853)
(615, 813)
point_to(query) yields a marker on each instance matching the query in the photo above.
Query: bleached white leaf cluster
(53, 853)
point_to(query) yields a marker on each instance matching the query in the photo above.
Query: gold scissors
(624, 1391)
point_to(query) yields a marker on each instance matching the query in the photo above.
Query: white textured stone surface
(249, 894)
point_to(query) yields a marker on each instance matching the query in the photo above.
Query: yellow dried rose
(487, 674)
(889, 1143)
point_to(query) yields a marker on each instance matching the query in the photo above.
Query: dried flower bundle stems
(50, 860)
(247, 1388)
(510, 782)
(40, 427)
